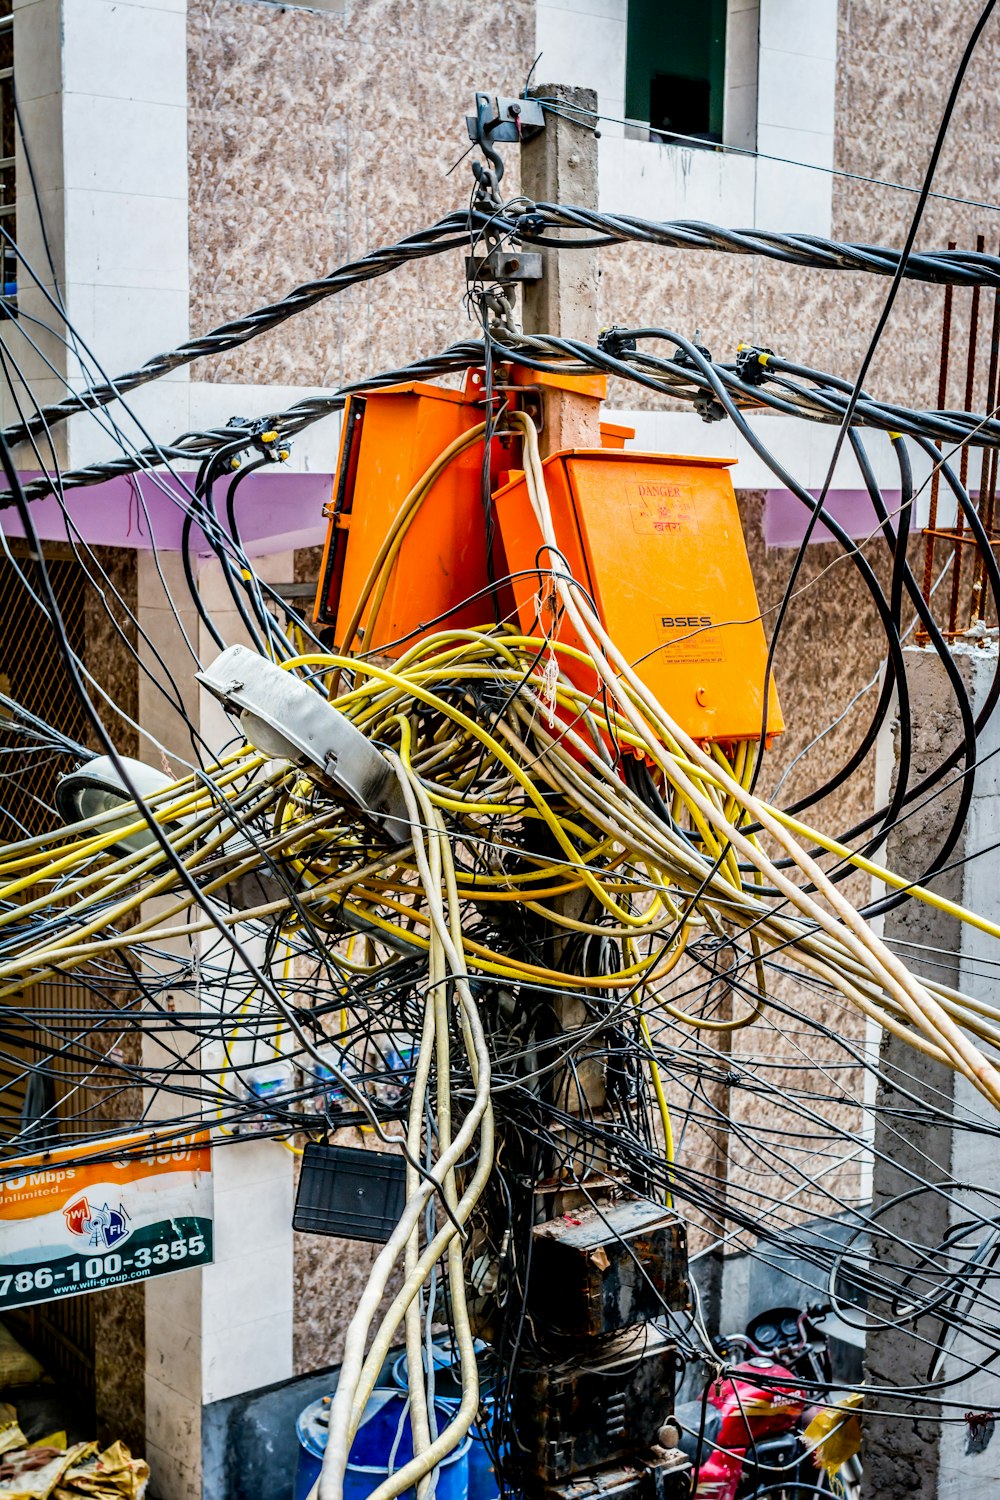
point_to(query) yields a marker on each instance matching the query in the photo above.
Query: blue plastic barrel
(483, 1483)
(383, 1435)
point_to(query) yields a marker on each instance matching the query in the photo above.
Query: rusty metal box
(655, 1478)
(579, 1413)
(603, 1269)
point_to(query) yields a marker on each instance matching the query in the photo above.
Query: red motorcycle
(746, 1436)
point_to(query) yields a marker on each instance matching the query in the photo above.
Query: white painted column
(742, 50)
(247, 1294)
(102, 86)
(796, 93)
(227, 1328)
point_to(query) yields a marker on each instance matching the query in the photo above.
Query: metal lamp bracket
(284, 717)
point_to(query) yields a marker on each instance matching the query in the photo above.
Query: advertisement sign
(69, 1225)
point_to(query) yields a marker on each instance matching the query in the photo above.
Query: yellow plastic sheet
(11, 1435)
(836, 1432)
(34, 1473)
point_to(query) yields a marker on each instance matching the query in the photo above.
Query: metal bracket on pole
(505, 120)
(504, 265)
(497, 259)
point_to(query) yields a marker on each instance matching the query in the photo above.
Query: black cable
(205, 495)
(535, 223)
(959, 268)
(121, 769)
(559, 356)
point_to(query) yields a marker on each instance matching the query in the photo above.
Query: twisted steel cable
(537, 224)
(449, 233)
(793, 390)
(941, 267)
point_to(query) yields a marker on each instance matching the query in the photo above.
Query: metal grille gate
(60, 1333)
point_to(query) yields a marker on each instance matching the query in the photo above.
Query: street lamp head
(98, 787)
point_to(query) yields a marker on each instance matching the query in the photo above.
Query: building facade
(183, 161)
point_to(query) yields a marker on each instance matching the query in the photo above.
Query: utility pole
(600, 1382)
(559, 165)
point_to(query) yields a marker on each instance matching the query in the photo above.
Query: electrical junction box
(350, 1193)
(597, 1271)
(576, 1413)
(389, 1065)
(440, 578)
(389, 440)
(656, 541)
(329, 1096)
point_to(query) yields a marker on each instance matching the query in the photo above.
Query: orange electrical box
(657, 542)
(614, 435)
(389, 440)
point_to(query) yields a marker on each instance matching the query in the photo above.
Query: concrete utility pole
(910, 1451)
(559, 165)
(599, 1382)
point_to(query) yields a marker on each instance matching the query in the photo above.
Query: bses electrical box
(657, 543)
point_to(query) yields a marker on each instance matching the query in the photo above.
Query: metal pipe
(929, 538)
(970, 387)
(988, 472)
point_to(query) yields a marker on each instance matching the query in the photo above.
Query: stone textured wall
(315, 138)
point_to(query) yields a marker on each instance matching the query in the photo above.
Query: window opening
(676, 66)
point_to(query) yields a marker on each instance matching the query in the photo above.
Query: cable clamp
(529, 221)
(616, 341)
(751, 363)
(269, 442)
(708, 409)
(705, 403)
